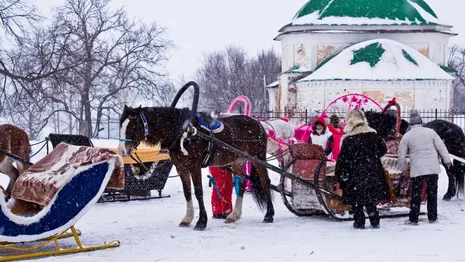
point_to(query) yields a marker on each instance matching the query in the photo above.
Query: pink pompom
(271, 133)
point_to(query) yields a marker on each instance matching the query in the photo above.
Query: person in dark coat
(359, 170)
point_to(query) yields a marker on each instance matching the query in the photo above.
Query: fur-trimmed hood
(356, 124)
(323, 122)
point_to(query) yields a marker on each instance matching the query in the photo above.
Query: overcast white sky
(201, 26)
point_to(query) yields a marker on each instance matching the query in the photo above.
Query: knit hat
(415, 117)
(334, 119)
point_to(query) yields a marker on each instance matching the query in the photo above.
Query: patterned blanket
(41, 181)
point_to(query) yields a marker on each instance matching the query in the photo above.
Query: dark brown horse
(166, 126)
(13, 140)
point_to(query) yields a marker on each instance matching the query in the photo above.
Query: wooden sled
(138, 182)
(28, 223)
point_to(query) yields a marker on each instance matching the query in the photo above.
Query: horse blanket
(43, 180)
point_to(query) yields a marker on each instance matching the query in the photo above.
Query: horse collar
(146, 125)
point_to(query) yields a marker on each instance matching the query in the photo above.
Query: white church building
(378, 48)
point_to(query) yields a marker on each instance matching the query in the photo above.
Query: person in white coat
(423, 145)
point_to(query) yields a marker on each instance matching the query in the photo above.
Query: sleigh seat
(307, 157)
(52, 195)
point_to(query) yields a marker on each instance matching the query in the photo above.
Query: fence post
(306, 116)
(435, 114)
(451, 114)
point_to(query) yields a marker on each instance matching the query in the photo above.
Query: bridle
(185, 122)
(136, 144)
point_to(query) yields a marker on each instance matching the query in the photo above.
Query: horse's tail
(459, 177)
(260, 194)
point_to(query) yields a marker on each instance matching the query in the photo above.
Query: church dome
(365, 12)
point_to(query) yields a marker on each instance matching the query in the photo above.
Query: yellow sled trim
(36, 254)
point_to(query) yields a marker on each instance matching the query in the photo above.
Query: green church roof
(365, 12)
(377, 60)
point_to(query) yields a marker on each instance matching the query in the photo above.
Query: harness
(215, 126)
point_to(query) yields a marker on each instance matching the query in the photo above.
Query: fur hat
(354, 118)
(415, 117)
(356, 124)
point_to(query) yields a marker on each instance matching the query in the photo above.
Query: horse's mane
(136, 110)
(385, 124)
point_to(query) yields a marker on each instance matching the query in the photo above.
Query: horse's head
(133, 129)
(384, 124)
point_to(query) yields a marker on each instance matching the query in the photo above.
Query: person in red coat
(338, 132)
(221, 205)
(321, 136)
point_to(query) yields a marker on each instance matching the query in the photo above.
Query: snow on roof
(365, 12)
(379, 59)
(274, 84)
(297, 70)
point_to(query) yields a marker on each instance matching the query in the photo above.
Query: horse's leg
(451, 189)
(21, 167)
(186, 185)
(237, 211)
(197, 181)
(6, 167)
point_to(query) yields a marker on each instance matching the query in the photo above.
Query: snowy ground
(148, 231)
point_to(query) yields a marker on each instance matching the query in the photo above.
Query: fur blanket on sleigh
(41, 181)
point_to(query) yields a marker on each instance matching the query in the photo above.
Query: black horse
(452, 135)
(167, 126)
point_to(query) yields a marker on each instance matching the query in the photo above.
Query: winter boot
(358, 226)
(374, 219)
(409, 222)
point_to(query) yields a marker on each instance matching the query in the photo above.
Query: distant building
(379, 48)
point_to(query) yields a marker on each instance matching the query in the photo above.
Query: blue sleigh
(78, 178)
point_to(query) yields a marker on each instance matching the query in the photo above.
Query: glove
(449, 165)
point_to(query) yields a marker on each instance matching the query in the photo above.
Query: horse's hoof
(200, 227)
(268, 220)
(447, 198)
(184, 224)
(229, 220)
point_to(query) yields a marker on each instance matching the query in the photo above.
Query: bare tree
(110, 61)
(457, 62)
(264, 70)
(16, 16)
(231, 73)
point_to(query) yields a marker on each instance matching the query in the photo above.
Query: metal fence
(305, 117)
(110, 129)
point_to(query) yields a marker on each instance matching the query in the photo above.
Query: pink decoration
(392, 101)
(285, 119)
(271, 133)
(241, 99)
